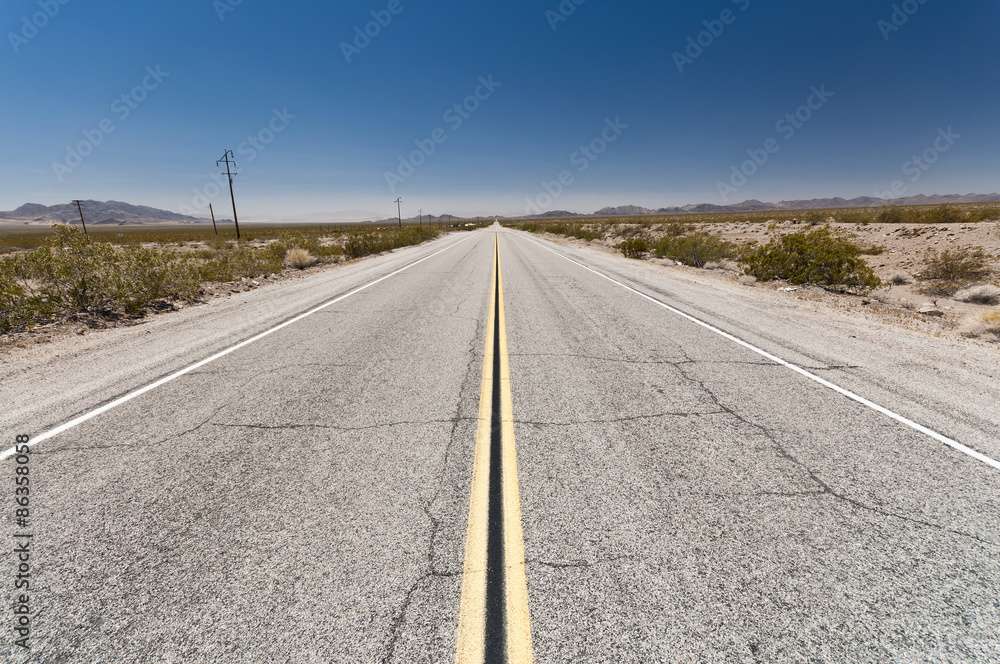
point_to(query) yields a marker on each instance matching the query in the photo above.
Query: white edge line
(197, 365)
(979, 456)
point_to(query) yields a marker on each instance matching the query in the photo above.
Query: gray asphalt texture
(305, 498)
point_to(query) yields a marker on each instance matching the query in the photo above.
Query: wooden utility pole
(399, 214)
(80, 210)
(214, 227)
(225, 158)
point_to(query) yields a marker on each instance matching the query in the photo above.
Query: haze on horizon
(477, 110)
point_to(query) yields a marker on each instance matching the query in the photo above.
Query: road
(684, 497)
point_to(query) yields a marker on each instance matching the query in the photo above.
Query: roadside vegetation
(72, 274)
(585, 232)
(820, 256)
(951, 270)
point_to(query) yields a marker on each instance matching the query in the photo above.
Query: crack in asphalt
(630, 418)
(151, 444)
(432, 571)
(292, 427)
(579, 564)
(825, 489)
(687, 360)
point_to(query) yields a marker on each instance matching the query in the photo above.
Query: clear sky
(671, 102)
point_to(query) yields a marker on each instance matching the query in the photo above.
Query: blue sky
(136, 101)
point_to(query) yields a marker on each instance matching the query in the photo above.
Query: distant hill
(810, 204)
(96, 213)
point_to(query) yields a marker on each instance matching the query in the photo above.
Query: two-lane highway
(309, 495)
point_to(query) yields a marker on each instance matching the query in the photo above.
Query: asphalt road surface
(685, 497)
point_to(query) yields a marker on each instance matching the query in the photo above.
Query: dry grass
(986, 324)
(299, 258)
(983, 294)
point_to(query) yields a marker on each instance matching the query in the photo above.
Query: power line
(225, 158)
(399, 215)
(80, 210)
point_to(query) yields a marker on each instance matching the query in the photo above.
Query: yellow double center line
(494, 625)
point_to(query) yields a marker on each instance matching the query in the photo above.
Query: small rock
(866, 301)
(930, 311)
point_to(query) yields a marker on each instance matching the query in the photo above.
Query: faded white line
(197, 365)
(979, 456)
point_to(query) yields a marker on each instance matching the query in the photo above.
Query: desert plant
(944, 214)
(22, 303)
(235, 261)
(984, 214)
(373, 242)
(695, 249)
(950, 270)
(890, 214)
(820, 256)
(299, 258)
(982, 294)
(635, 247)
(900, 279)
(984, 324)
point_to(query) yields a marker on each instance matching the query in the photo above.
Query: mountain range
(106, 213)
(96, 213)
(753, 205)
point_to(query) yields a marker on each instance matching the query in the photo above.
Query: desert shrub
(573, 230)
(984, 324)
(984, 214)
(872, 249)
(235, 261)
(695, 249)
(21, 303)
(374, 242)
(890, 214)
(944, 214)
(900, 279)
(676, 229)
(820, 256)
(983, 294)
(299, 258)
(73, 273)
(140, 276)
(950, 270)
(635, 247)
(854, 217)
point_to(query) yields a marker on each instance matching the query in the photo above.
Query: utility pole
(80, 210)
(399, 215)
(225, 158)
(421, 217)
(214, 227)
